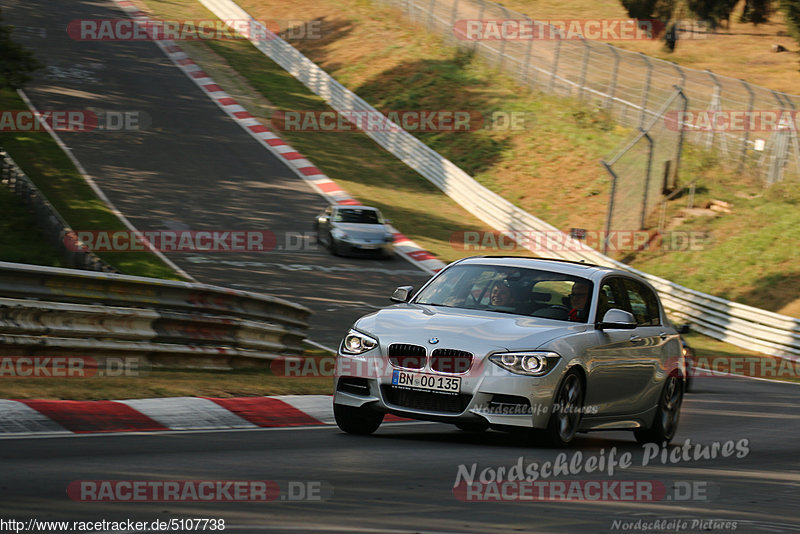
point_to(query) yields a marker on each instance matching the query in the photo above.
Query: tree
(16, 63)
(713, 11)
(791, 8)
(756, 11)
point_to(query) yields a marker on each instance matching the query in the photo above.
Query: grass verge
(312, 377)
(43, 161)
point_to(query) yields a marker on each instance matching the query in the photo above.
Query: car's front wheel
(357, 420)
(566, 412)
(665, 423)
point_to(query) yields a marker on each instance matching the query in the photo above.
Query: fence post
(554, 68)
(646, 89)
(716, 106)
(610, 205)
(681, 135)
(746, 139)
(527, 61)
(681, 74)
(453, 15)
(647, 176)
(780, 147)
(480, 18)
(614, 71)
(793, 132)
(584, 67)
(503, 41)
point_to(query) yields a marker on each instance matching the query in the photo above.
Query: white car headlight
(357, 343)
(531, 363)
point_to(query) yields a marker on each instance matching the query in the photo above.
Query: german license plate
(450, 384)
(368, 247)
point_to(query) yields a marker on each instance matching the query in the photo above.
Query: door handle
(635, 339)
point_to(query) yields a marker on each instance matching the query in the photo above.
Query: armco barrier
(47, 310)
(741, 325)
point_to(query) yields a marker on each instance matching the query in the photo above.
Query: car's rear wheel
(566, 412)
(665, 423)
(357, 420)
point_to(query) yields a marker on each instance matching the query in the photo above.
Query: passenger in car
(501, 295)
(579, 300)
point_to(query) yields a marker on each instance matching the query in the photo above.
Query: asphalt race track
(401, 478)
(193, 168)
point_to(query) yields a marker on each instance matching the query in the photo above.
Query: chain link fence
(629, 85)
(645, 169)
(53, 226)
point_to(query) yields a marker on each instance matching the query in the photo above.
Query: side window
(610, 296)
(643, 302)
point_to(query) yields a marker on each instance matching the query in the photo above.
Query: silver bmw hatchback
(548, 346)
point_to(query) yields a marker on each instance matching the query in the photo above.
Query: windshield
(357, 216)
(530, 292)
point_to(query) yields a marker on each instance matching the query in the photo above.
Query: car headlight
(357, 343)
(531, 363)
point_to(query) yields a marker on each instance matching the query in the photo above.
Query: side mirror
(617, 319)
(685, 328)
(402, 294)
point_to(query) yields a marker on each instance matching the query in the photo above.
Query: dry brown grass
(739, 51)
